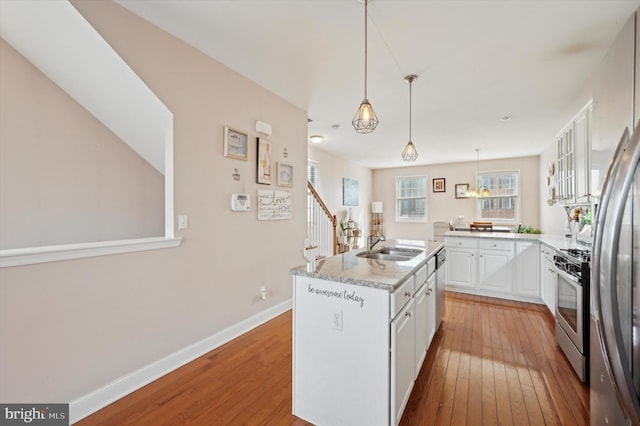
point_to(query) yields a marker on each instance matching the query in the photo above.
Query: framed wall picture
(263, 174)
(285, 175)
(236, 144)
(439, 185)
(349, 192)
(462, 190)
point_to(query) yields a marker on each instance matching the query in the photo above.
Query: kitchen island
(361, 329)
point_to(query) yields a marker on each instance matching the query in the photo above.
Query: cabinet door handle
(407, 293)
(407, 314)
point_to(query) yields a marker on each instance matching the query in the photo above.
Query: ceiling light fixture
(409, 153)
(316, 138)
(479, 190)
(365, 120)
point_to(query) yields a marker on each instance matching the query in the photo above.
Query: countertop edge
(554, 241)
(398, 274)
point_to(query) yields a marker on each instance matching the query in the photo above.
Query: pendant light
(409, 153)
(365, 120)
(478, 190)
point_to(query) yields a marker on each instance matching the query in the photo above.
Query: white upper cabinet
(574, 163)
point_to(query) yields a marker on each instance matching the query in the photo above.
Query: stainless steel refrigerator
(615, 268)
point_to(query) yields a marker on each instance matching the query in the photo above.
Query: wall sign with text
(274, 204)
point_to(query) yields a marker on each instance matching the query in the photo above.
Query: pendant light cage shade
(409, 152)
(365, 120)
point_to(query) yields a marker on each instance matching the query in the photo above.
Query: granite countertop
(382, 274)
(552, 240)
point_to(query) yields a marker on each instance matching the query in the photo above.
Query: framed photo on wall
(236, 144)
(285, 175)
(263, 174)
(462, 190)
(439, 185)
(349, 192)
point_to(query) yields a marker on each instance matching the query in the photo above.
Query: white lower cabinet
(422, 324)
(548, 278)
(497, 267)
(461, 261)
(432, 320)
(527, 281)
(403, 330)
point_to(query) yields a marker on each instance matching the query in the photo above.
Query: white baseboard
(100, 398)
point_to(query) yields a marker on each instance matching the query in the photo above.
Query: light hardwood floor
(492, 362)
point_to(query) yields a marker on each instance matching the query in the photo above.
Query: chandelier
(479, 190)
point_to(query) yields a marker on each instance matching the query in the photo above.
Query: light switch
(183, 221)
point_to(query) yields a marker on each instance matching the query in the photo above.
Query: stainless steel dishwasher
(441, 258)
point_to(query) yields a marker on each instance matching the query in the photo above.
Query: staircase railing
(321, 224)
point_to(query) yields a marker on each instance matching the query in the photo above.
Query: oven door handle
(574, 280)
(606, 270)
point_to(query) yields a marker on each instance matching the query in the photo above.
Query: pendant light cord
(365, 49)
(410, 103)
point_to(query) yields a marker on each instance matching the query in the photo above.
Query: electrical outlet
(263, 293)
(336, 320)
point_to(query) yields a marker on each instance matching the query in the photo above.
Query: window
(411, 199)
(503, 205)
(312, 173)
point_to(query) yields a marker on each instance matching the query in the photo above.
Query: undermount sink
(395, 254)
(400, 251)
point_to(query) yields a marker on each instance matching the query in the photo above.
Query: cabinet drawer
(421, 277)
(402, 295)
(496, 245)
(462, 242)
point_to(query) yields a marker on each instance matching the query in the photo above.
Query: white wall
(68, 328)
(552, 218)
(64, 177)
(331, 170)
(443, 206)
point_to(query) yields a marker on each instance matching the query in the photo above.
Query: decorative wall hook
(236, 175)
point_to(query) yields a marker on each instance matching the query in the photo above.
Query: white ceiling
(477, 61)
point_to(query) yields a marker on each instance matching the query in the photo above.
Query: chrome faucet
(372, 240)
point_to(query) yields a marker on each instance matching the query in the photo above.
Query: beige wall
(443, 206)
(331, 170)
(552, 218)
(68, 328)
(64, 177)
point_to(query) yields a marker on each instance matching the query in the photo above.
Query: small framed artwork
(263, 174)
(285, 175)
(349, 192)
(236, 144)
(439, 185)
(462, 190)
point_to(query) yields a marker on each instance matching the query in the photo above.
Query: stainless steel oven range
(572, 307)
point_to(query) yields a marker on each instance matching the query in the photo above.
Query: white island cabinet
(361, 328)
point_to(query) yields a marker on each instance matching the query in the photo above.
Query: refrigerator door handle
(606, 272)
